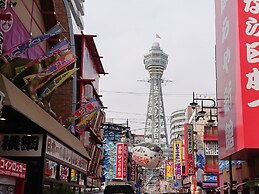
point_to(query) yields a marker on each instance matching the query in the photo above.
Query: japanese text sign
(237, 60)
(12, 168)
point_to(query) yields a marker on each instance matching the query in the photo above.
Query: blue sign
(210, 178)
(176, 184)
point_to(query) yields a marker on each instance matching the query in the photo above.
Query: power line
(127, 113)
(147, 93)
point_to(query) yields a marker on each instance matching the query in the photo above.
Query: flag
(157, 36)
(62, 62)
(56, 83)
(85, 109)
(21, 48)
(61, 46)
(81, 125)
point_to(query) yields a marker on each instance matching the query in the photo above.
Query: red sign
(119, 161)
(12, 168)
(237, 58)
(125, 160)
(189, 150)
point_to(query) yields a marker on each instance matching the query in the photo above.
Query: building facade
(236, 67)
(177, 120)
(36, 130)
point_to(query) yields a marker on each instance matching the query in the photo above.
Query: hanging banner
(109, 161)
(177, 157)
(56, 83)
(61, 63)
(60, 47)
(81, 125)
(85, 109)
(21, 48)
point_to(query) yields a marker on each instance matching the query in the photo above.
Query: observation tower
(155, 129)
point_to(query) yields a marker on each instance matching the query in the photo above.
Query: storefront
(12, 176)
(63, 166)
(31, 136)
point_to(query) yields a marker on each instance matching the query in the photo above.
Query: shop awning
(23, 104)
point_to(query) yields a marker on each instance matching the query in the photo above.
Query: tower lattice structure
(155, 129)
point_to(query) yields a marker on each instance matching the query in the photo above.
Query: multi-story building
(90, 69)
(53, 155)
(177, 121)
(236, 45)
(200, 158)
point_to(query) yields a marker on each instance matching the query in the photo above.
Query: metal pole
(230, 176)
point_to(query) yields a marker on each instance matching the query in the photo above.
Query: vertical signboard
(177, 157)
(169, 167)
(248, 12)
(119, 161)
(132, 170)
(189, 150)
(125, 160)
(237, 58)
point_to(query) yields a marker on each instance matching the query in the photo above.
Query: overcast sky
(126, 30)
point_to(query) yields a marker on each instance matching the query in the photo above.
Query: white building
(177, 120)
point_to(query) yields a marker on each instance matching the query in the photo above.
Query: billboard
(169, 169)
(189, 149)
(177, 158)
(121, 160)
(237, 58)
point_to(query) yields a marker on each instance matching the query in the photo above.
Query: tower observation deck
(155, 129)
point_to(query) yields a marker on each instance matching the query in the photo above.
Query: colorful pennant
(21, 48)
(56, 83)
(85, 109)
(61, 63)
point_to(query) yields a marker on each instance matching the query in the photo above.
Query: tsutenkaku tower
(155, 130)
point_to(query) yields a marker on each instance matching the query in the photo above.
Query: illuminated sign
(63, 153)
(210, 178)
(237, 60)
(20, 145)
(177, 157)
(189, 150)
(12, 168)
(121, 160)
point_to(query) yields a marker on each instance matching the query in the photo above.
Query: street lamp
(203, 104)
(202, 113)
